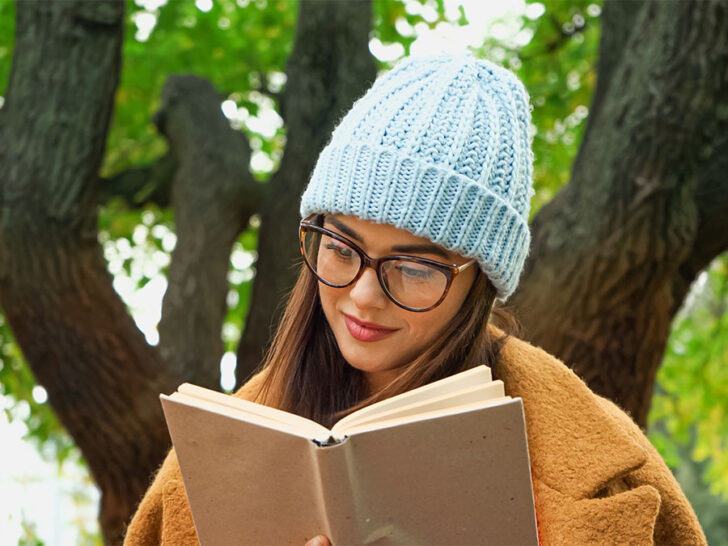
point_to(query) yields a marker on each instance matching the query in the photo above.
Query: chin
(364, 364)
(365, 358)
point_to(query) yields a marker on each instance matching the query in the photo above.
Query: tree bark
(102, 378)
(213, 197)
(615, 251)
(142, 185)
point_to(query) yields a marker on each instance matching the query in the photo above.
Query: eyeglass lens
(410, 283)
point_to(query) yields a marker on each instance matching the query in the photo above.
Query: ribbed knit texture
(439, 147)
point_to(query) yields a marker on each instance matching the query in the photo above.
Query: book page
(249, 411)
(454, 383)
(475, 394)
(424, 416)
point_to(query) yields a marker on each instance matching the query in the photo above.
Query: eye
(417, 273)
(340, 250)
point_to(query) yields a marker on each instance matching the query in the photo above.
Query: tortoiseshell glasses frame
(314, 223)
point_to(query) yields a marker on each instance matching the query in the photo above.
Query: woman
(414, 223)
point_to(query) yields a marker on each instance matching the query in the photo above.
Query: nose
(367, 292)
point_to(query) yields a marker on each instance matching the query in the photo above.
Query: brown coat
(597, 479)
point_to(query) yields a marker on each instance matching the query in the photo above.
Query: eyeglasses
(413, 283)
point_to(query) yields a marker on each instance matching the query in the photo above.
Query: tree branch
(213, 197)
(139, 186)
(618, 22)
(329, 68)
(711, 198)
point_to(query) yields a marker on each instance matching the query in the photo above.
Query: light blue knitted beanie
(439, 147)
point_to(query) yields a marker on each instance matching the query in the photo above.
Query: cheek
(425, 327)
(328, 297)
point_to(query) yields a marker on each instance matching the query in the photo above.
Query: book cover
(444, 476)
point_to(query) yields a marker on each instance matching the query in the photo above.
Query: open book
(446, 463)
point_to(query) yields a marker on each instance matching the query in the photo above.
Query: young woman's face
(380, 355)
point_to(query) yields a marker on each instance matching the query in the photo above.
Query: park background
(165, 139)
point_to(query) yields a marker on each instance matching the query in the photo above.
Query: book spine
(336, 491)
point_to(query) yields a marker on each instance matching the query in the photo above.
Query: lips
(365, 331)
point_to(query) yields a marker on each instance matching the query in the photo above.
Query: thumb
(319, 540)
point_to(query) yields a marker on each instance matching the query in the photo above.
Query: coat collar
(576, 446)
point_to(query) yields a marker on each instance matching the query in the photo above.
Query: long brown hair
(307, 374)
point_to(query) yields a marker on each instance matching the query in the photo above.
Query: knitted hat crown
(439, 147)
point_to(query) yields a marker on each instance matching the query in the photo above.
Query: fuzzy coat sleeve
(146, 527)
(676, 521)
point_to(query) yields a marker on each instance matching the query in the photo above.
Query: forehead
(382, 238)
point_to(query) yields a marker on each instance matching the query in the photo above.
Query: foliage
(29, 537)
(711, 509)
(7, 36)
(396, 22)
(555, 55)
(240, 46)
(690, 406)
(28, 400)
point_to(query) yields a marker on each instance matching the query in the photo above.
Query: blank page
(475, 394)
(423, 416)
(454, 383)
(256, 413)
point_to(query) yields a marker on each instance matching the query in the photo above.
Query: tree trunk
(102, 378)
(614, 252)
(213, 197)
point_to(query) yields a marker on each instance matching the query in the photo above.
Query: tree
(619, 250)
(56, 293)
(615, 252)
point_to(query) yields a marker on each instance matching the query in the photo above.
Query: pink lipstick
(363, 331)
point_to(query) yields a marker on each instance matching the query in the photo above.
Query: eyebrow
(422, 247)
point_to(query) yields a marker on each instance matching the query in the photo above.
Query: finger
(319, 540)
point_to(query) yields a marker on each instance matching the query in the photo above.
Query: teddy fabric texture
(597, 479)
(439, 146)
